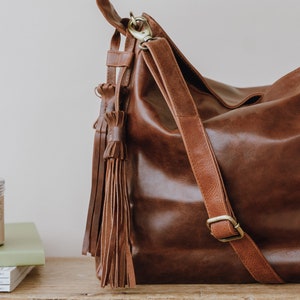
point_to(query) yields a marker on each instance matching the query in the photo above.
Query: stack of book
(21, 252)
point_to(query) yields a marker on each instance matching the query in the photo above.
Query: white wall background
(52, 55)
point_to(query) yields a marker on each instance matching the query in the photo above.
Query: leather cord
(165, 70)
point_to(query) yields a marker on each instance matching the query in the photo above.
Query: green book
(22, 247)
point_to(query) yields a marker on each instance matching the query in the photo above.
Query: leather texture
(222, 222)
(254, 135)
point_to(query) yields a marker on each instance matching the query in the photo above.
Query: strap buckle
(140, 29)
(234, 223)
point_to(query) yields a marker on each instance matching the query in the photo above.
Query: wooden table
(74, 278)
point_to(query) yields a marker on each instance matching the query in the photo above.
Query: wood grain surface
(74, 278)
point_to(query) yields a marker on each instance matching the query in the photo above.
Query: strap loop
(111, 15)
(119, 58)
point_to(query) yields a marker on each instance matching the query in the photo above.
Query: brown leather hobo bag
(194, 181)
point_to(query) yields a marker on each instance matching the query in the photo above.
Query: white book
(11, 277)
(10, 273)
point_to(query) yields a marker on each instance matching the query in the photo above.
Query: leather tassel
(92, 233)
(115, 263)
(96, 198)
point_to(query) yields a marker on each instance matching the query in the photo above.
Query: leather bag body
(254, 135)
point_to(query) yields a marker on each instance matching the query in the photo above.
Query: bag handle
(222, 223)
(111, 15)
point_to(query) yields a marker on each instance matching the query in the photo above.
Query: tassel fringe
(115, 265)
(94, 218)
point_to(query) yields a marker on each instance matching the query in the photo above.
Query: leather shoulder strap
(222, 222)
(111, 15)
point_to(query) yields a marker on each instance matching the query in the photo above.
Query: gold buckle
(142, 34)
(140, 29)
(234, 223)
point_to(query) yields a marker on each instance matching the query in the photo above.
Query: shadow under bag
(193, 181)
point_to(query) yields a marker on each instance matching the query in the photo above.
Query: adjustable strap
(222, 222)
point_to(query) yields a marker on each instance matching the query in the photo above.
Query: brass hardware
(132, 19)
(96, 92)
(140, 29)
(234, 223)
